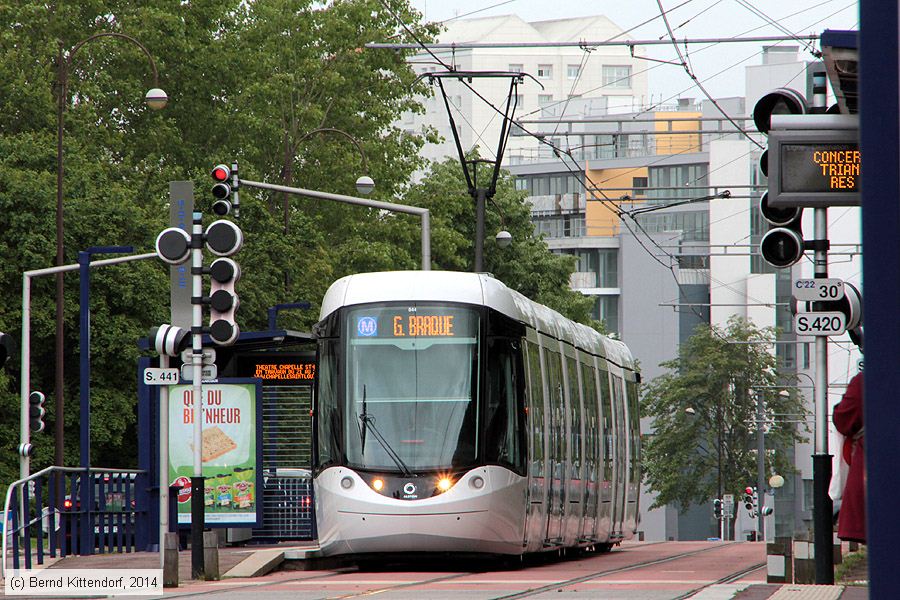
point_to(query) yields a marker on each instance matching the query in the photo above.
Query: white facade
(608, 75)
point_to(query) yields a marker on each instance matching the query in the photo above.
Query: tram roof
(468, 288)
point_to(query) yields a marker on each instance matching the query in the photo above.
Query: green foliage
(254, 82)
(718, 374)
(245, 81)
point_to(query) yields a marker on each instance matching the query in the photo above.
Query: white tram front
(455, 415)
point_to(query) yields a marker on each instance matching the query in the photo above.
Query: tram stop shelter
(283, 365)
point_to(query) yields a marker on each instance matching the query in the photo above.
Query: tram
(454, 414)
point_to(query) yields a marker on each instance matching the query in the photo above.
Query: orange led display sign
(430, 325)
(277, 368)
(814, 161)
(821, 168)
(293, 371)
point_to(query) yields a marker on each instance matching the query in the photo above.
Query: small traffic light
(6, 347)
(767, 510)
(225, 190)
(36, 411)
(717, 508)
(221, 191)
(749, 499)
(223, 301)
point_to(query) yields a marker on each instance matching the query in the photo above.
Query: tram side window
(575, 412)
(590, 413)
(503, 411)
(328, 417)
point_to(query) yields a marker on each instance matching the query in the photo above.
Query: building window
(639, 185)
(617, 76)
(606, 309)
(573, 71)
(694, 225)
(545, 71)
(676, 182)
(520, 100)
(516, 68)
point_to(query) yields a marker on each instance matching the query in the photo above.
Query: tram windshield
(411, 387)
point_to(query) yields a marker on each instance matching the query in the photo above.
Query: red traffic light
(221, 173)
(748, 490)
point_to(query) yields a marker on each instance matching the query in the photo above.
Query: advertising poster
(230, 452)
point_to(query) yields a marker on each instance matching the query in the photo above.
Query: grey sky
(719, 68)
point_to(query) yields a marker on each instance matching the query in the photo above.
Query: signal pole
(198, 518)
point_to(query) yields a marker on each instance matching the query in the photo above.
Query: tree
(708, 403)
(238, 75)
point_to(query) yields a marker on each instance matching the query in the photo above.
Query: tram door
(574, 508)
(591, 448)
(608, 446)
(557, 446)
(621, 444)
(536, 502)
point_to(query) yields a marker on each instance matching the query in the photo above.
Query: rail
(76, 518)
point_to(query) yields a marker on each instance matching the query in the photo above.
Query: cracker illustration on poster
(230, 449)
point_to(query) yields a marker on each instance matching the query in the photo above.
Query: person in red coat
(848, 419)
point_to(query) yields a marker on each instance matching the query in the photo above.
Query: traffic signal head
(173, 245)
(223, 301)
(223, 238)
(717, 508)
(221, 190)
(767, 510)
(748, 498)
(6, 347)
(783, 101)
(36, 411)
(169, 340)
(851, 306)
(781, 246)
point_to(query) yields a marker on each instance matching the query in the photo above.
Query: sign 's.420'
(820, 323)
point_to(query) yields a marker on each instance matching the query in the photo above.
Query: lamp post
(156, 99)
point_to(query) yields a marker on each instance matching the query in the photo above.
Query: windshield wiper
(368, 422)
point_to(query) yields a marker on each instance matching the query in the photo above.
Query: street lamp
(156, 99)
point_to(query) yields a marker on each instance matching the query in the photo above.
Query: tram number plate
(820, 323)
(811, 290)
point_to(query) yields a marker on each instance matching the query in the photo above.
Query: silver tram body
(455, 415)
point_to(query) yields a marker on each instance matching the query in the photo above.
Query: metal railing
(75, 518)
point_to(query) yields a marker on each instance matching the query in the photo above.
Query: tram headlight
(444, 484)
(378, 485)
(346, 483)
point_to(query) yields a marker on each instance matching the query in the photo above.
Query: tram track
(730, 578)
(606, 572)
(557, 585)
